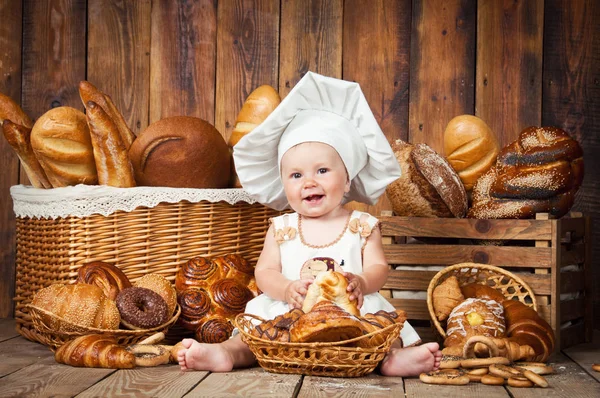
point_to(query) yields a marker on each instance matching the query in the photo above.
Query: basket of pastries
(145, 201)
(103, 301)
(327, 337)
(480, 310)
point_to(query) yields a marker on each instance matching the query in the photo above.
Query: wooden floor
(28, 369)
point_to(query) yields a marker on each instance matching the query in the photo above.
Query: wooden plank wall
(514, 63)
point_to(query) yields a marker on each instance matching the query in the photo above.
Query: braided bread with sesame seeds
(540, 172)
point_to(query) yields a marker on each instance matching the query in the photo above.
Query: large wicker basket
(336, 359)
(141, 240)
(509, 284)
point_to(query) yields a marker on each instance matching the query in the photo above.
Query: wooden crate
(537, 250)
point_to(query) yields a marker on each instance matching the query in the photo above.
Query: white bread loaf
(60, 139)
(471, 148)
(259, 104)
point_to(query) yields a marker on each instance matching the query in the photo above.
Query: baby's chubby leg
(411, 361)
(221, 357)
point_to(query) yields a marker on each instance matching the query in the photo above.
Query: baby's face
(314, 178)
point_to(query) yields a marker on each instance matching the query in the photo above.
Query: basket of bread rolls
(145, 202)
(326, 337)
(103, 301)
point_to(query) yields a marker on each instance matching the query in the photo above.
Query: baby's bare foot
(411, 361)
(200, 356)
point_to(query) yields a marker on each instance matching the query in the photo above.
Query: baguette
(10, 110)
(110, 153)
(18, 136)
(88, 92)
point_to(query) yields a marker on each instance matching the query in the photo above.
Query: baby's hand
(355, 288)
(296, 291)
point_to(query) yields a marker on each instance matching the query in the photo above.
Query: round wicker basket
(509, 284)
(334, 359)
(54, 337)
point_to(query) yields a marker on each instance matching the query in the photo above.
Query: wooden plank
(466, 228)
(569, 382)
(571, 69)
(182, 59)
(372, 385)
(7, 329)
(573, 254)
(376, 54)
(17, 353)
(571, 282)
(53, 54)
(415, 309)
(10, 85)
(509, 65)
(572, 334)
(505, 256)
(247, 55)
(572, 309)
(311, 40)
(119, 56)
(415, 388)
(409, 280)
(50, 379)
(253, 382)
(586, 354)
(160, 381)
(439, 91)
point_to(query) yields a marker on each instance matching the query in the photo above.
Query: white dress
(345, 251)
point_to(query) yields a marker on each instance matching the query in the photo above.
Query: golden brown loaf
(110, 153)
(326, 322)
(211, 292)
(95, 351)
(61, 141)
(446, 296)
(330, 286)
(162, 286)
(80, 304)
(484, 292)
(259, 104)
(278, 328)
(428, 187)
(10, 110)
(110, 279)
(88, 92)
(471, 148)
(539, 172)
(181, 152)
(18, 137)
(475, 317)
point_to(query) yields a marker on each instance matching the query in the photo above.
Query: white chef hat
(318, 109)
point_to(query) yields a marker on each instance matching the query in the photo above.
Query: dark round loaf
(181, 152)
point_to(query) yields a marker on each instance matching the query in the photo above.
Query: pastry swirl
(195, 272)
(231, 295)
(214, 330)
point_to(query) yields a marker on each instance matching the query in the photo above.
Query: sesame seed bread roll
(60, 139)
(471, 147)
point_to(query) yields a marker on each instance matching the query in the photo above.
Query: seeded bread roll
(61, 141)
(428, 187)
(471, 148)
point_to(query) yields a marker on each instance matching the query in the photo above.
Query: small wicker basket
(509, 284)
(335, 359)
(55, 338)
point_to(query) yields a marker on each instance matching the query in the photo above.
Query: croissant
(326, 322)
(94, 351)
(330, 286)
(446, 296)
(106, 276)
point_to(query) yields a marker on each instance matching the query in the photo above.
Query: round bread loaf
(181, 152)
(470, 147)
(162, 286)
(428, 187)
(61, 141)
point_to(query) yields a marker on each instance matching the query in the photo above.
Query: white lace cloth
(85, 200)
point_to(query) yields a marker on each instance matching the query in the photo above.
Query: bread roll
(471, 148)
(181, 152)
(81, 304)
(162, 286)
(428, 187)
(106, 276)
(10, 110)
(330, 286)
(326, 322)
(61, 141)
(259, 104)
(18, 137)
(474, 317)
